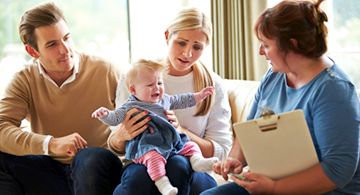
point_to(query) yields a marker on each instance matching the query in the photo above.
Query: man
(65, 152)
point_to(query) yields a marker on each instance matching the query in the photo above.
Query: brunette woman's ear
(31, 51)
(294, 42)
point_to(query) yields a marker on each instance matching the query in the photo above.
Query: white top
(215, 126)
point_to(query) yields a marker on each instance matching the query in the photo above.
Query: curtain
(235, 46)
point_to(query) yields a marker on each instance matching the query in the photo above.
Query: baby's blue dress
(165, 139)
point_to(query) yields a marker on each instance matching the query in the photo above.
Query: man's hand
(69, 145)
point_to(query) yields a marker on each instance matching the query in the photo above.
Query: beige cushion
(241, 95)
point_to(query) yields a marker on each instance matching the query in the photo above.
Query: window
(148, 21)
(95, 25)
(344, 34)
(101, 27)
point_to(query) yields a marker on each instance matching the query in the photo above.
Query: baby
(161, 140)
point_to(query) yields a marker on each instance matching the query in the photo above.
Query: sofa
(241, 94)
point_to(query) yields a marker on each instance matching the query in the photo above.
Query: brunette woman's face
(185, 48)
(270, 50)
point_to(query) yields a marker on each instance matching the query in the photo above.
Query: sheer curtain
(235, 47)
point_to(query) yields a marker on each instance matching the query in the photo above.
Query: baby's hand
(204, 93)
(100, 112)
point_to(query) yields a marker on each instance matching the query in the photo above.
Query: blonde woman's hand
(128, 130)
(170, 115)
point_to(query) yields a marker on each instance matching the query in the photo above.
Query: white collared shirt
(69, 80)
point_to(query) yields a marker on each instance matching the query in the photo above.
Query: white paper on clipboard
(277, 152)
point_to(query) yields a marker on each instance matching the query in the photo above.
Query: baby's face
(149, 86)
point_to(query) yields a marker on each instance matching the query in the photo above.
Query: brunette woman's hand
(227, 165)
(255, 183)
(128, 130)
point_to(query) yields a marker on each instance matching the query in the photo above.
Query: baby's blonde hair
(144, 65)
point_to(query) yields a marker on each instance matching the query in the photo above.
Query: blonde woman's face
(185, 48)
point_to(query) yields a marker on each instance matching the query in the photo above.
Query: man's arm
(14, 107)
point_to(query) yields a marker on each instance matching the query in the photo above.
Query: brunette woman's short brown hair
(301, 20)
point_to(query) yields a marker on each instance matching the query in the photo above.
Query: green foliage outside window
(99, 26)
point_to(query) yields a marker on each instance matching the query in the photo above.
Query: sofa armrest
(241, 95)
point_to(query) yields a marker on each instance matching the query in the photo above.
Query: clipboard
(277, 146)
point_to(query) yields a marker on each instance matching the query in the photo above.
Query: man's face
(55, 49)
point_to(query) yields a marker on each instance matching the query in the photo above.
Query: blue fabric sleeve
(336, 127)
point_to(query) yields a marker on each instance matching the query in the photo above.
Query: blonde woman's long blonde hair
(190, 18)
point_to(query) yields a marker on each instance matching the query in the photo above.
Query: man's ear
(294, 42)
(132, 89)
(31, 51)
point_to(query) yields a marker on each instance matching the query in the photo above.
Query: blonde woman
(207, 124)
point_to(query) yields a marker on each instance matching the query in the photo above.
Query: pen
(238, 176)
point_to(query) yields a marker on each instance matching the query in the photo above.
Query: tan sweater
(57, 111)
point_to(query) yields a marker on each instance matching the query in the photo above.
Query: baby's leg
(197, 161)
(164, 186)
(155, 164)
